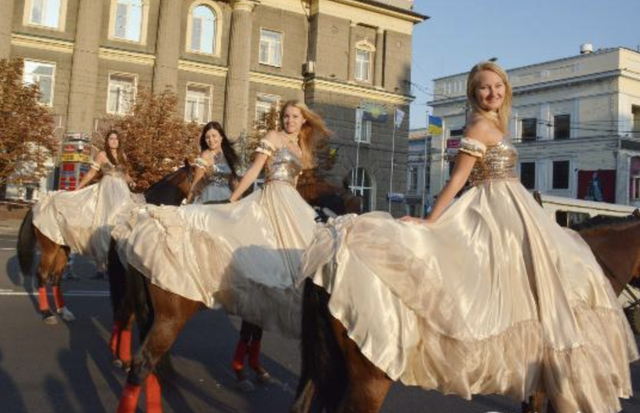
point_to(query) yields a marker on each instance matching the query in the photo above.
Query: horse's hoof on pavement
(245, 386)
(49, 318)
(264, 377)
(66, 314)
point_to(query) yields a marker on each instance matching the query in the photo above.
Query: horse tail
(26, 244)
(120, 306)
(323, 377)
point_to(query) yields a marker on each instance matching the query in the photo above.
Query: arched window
(203, 26)
(364, 58)
(362, 184)
(127, 18)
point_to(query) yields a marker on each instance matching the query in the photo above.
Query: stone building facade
(575, 123)
(227, 61)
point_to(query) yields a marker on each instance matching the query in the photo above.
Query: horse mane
(604, 220)
(162, 192)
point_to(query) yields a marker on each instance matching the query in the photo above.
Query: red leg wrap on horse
(239, 355)
(129, 399)
(124, 349)
(57, 297)
(42, 298)
(154, 394)
(115, 336)
(254, 354)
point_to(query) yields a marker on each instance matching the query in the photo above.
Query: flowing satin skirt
(83, 220)
(494, 297)
(244, 256)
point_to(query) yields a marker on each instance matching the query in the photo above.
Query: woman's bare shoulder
(482, 130)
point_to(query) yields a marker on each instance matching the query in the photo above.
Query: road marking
(66, 293)
(8, 249)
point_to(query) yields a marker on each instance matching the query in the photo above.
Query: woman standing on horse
(488, 294)
(247, 254)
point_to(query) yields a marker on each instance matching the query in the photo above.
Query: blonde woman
(488, 294)
(247, 254)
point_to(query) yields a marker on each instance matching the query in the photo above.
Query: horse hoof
(117, 363)
(66, 314)
(264, 378)
(50, 319)
(245, 386)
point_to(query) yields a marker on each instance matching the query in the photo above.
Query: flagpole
(442, 152)
(424, 173)
(358, 132)
(393, 152)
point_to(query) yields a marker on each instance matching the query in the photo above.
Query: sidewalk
(11, 216)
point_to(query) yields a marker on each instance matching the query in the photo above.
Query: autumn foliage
(26, 127)
(155, 137)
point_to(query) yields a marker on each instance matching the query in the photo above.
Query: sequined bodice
(499, 162)
(108, 169)
(283, 166)
(219, 173)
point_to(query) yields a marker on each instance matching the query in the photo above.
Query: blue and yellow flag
(435, 125)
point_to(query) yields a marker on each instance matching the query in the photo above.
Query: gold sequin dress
(243, 256)
(83, 219)
(494, 297)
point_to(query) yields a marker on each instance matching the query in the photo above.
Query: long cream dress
(494, 297)
(244, 256)
(83, 219)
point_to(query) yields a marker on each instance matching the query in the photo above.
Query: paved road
(67, 368)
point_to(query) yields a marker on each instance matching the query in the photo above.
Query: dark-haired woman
(215, 168)
(83, 219)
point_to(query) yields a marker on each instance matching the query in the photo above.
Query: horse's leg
(121, 342)
(61, 259)
(535, 404)
(242, 347)
(48, 252)
(171, 312)
(254, 354)
(367, 385)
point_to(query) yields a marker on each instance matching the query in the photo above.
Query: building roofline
(396, 9)
(597, 52)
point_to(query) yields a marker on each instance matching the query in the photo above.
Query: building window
(363, 65)
(635, 111)
(560, 175)
(362, 185)
(202, 32)
(363, 128)
(412, 179)
(270, 48)
(122, 90)
(529, 128)
(41, 74)
(198, 105)
(528, 174)
(264, 104)
(561, 126)
(45, 13)
(127, 20)
(635, 188)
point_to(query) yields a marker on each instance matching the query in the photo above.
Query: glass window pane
(562, 127)
(37, 11)
(561, 175)
(121, 21)
(204, 30)
(196, 34)
(134, 25)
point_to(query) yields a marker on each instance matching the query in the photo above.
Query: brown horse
(161, 315)
(337, 377)
(54, 257)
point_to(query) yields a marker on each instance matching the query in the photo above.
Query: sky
(460, 33)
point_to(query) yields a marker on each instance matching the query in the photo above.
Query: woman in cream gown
(83, 219)
(488, 295)
(245, 255)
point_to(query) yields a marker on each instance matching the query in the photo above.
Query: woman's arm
(249, 177)
(99, 161)
(460, 175)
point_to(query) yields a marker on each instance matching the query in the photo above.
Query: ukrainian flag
(435, 125)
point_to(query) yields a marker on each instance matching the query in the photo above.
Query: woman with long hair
(244, 255)
(83, 219)
(215, 172)
(488, 294)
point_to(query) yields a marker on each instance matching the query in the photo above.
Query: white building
(574, 119)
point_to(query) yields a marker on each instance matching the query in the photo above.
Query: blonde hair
(504, 112)
(312, 134)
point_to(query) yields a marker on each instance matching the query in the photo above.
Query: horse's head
(173, 188)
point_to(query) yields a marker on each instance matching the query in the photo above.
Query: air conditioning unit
(309, 68)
